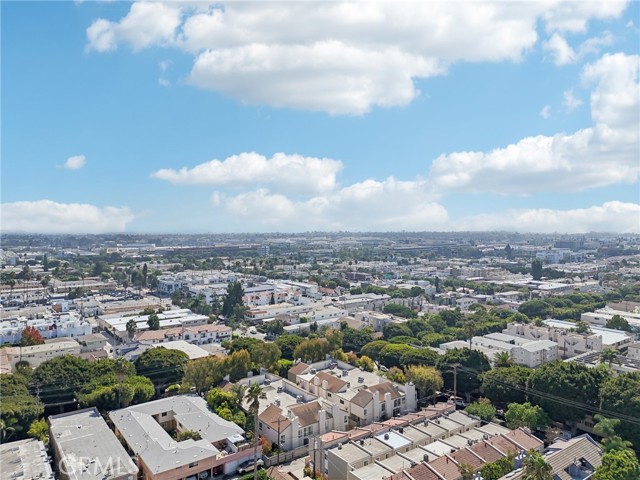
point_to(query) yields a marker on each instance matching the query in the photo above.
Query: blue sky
(363, 116)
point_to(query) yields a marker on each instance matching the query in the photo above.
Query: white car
(253, 331)
(247, 466)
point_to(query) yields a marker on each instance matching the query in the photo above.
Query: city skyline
(327, 116)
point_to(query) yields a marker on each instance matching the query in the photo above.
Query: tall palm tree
(535, 467)
(239, 390)
(609, 355)
(132, 327)
(470, 330)
(503, 359)
(253, 395)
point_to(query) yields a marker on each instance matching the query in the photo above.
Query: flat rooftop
(25, 459)
(83, 436)
(609, 336)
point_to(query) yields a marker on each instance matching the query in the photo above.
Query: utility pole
(279, 442)
(455, 381)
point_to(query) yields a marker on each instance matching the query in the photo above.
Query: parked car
(247, 466)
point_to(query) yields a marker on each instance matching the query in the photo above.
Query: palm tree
(132, 327)
(609, 355)
(239, 390)
(503, 359)
(535, 467)
(253, 395)
(469, 330)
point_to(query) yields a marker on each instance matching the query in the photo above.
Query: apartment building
(37, 354)
(117, 325)
(365, 396)
(26, 459)
(85, 448)
(147, 429)
(198, 335)
(51, 326)
(569, 343)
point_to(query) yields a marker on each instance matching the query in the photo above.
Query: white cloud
(46, 216)
(570, 102)
(280, 172)
(338, 57)
(604, 154)
(616, 217)
(562, 53)
(369, 205)
(76, 162)
(545, 112)
(146, 24)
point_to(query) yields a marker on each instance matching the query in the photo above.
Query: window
(342, 402)
(164, 414)
(282, 439)
(365, 411)
(260, 425)
(194, 464)
(366, 462)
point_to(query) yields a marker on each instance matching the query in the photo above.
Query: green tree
(618, 323)
(619, 395)
(583, 328)
(274, 328)
(312, 350)
(556, 385)
(266, 355)
(535, 467)
(39, 430)
(618, 465)
(18, 409)
(536, 269)
(607, 429)
(60, 378)
(203, 373)
(235, 292)
(237, 365)
(466, 471)
(419, 356)
(162, 366)
(472, 365)
(188, 435)
(536, 308)
(482, 409)
(427, 380)
(287, 344)
(609, 355)
(503, 360)
(132, 327)
(254, 395)
(470, 330)
(506, 384)
(154, 322)
(498, 469)
(354, 340)
(526, 415)
(373, 349)
(365, 363)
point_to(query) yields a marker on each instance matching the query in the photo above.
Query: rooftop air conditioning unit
(386, 436)
(313, 370)
(425, 458)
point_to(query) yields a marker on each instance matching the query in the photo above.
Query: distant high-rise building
(263, 250)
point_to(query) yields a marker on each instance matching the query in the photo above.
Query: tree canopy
(507, 384)
(560, 388)
(162, 366)
(473, 365)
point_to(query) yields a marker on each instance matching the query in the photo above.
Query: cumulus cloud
(608, 217)
(146, 24)
(604, 154)
(369, 205)
(560, 50)
(281, 171)
(46, 216)
(76, 162)
(339, 57)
